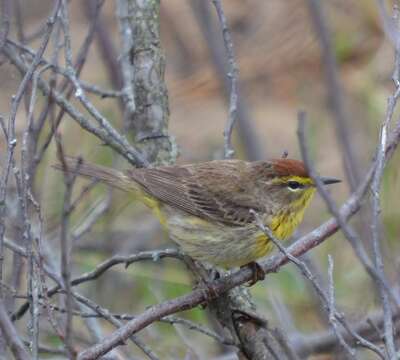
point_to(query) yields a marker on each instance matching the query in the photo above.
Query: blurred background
(278, 52)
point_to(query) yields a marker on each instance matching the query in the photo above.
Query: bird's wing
(219, 191)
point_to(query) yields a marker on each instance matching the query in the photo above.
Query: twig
(97, 210)
(105, 314)
(321, 293)
(11, 123)
(376, 209)
(106, 46)
(233, 74)
(332, 309)
(284, 341)
(245, 125)
(66, 246)
(389, 24)
(110, 132)
(326, 341)
(78, 65)
(5, 7)
(110, 136)
(11, 336)
(335, 93)
(191, 325)
(27, 240)
(346, 228)
(101, 268)
(43, 349)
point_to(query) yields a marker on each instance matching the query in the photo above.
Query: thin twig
(66, 246)
(78, 65)
(233, 74)
(105, 314)
(109, 136)
(321, 293)
(332, 308)
(191, 325)
(245, 124)
(5, 7)
(376, 211)
(335, 93)
(326, 341)
(101, 268)
(346, 228)
(11, 335)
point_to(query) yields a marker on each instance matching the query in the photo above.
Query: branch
(326, 341)
(346, 228)
(335, 93)
(376, 209)
(105, 132)
(99, 270)
(246, 130)
(5, 6)
(233, 74)
(327, 301)
(11, 335)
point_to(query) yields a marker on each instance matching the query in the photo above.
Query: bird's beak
(329, 180)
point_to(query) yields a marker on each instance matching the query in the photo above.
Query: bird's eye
(294, 185)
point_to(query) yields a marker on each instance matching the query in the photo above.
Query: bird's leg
(204, 284)
(203, 279)
(258, 272)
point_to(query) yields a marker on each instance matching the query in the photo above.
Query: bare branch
(326, 341)
(105, 132)
(105, 314)
(347, 230)
(5, 7)
(245, 122)
(66, 246)
(335, 93)
(101, 268)
(233, 74)
(11, 336)
(389, 24)
(376, 209)
(328, 303)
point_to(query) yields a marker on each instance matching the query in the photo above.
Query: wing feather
(217, 191)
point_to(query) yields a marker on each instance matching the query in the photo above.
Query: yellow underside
(201, 239)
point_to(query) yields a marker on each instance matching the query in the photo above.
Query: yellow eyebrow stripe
(299, 179)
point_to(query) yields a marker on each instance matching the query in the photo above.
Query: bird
(209, 208)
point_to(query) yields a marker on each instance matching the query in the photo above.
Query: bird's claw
(258, 272)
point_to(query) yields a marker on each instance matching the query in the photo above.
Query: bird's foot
(206, 287)
(258, 272)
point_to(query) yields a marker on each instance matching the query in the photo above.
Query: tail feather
(112, 177)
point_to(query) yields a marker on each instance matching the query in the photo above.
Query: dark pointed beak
(329, 180)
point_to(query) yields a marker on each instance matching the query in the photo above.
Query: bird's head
(288, 185)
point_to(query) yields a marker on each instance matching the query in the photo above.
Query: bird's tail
(112, 177)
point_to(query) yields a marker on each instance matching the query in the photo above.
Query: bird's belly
(216, 243)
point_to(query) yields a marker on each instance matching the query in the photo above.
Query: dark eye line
(295, 185)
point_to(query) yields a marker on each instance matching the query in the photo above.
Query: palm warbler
(205, 207)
